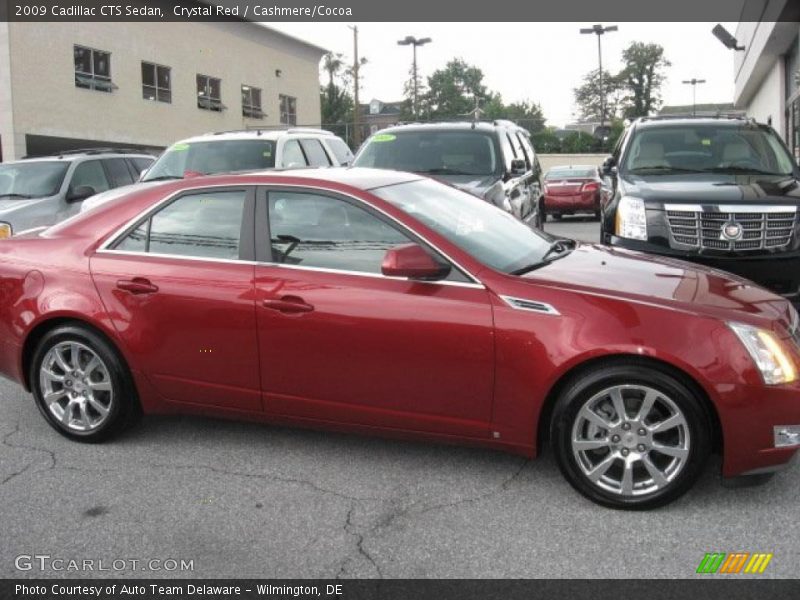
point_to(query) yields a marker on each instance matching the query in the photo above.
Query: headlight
(5, 231)
(631, 221)
(768, 353)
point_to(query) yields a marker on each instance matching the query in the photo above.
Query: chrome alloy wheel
(630, 440)
(76, 386)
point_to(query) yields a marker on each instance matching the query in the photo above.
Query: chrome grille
(762, 227)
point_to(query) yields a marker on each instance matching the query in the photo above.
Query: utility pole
(357, 107)
(410, 40)
(599, 30)
(693, 82)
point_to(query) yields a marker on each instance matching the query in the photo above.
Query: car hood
(713, 188)
(635, 276)
(476, 184)
(115, 193)
(11, 205)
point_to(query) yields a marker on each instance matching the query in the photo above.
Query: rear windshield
(571, 173)
(434, 152)
(222, 156)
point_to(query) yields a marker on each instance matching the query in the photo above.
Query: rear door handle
(288, 304)
(137, 285)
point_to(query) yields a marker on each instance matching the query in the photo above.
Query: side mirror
(609, 166)
(518, 167)
(80, 193)
(143, 172)
(413, 262)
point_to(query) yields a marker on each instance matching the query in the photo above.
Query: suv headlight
(5, 231)
(768, 352)
(631, 220)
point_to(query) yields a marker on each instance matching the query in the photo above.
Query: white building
(145, 85)
(767, 71)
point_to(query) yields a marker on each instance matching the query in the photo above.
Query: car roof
(74, 156)
(684, 120)
(484, 126)
(256, 134)
(358, 177)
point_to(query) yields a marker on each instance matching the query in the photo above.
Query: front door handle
(137, 285)
(288, 304)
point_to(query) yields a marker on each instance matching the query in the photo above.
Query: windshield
(484, 231)
(571, 173)
(31, 179)
(707, 149)
(437, 152)
(220, 156)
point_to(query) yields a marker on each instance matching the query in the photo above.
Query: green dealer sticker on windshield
(384, 137)
(180, 147)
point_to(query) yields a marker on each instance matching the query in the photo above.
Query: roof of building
(386, 108)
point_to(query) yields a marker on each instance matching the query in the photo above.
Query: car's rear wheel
(81, 385)
(630, 436)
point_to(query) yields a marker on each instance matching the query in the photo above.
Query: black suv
(721, 191)
(494, 160)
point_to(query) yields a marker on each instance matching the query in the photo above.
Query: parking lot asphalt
(245, 500)
(585, 229)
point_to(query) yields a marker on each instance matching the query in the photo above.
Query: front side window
(251, 102)
(312, 230)
(315, 153)
(288, 106)
(22, 180)
(156, 82)
(209, 93)
(93, 69)
(202, 225)
(90, 174)
(118, 171)
(342, 152)
(222, 156)
(434, 152)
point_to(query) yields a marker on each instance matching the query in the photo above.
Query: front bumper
(779, 272)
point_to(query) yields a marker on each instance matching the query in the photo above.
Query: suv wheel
(630, 437)
(81, 386)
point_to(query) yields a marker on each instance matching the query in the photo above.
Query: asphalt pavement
(246, 500)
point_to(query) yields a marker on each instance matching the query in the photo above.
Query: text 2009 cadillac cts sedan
(385, 302)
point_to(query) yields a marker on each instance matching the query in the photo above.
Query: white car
(232, 151)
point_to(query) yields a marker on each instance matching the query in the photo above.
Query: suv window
(442, 152)
(341, 151)
(313, 230)
(315, 153)
(205, 225)
(118, 172)
(140, 164)
(90, 173)
(220, 156)
(292, 155)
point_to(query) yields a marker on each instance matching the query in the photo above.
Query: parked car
(248, 150)
(493, 160)
(722, 192)
(41, 191)
(573, 190)
(461, 324)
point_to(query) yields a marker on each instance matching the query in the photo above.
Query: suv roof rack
(709, 115)
(280, 128)
(309, 130)
(90, 151)
(473, 122)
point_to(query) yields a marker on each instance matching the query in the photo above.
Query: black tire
(556, 217)
(592, 384)
(123, 404)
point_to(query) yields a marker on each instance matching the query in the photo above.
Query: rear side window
(118, 172)
(90, 174)
(203, 225)
(292, 155)
(315, 153)
(341, 151)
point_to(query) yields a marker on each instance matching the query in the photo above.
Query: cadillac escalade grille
(748, 228)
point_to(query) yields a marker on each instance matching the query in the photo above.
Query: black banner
(399, 589)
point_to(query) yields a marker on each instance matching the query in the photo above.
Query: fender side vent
(531, 305)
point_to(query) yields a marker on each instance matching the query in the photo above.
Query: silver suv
(37, 192)
(249, 150)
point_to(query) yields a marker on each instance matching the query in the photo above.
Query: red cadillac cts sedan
(384, 302)
(573, 190)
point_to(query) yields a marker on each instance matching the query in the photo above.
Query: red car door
(341, 342)
(179, 289)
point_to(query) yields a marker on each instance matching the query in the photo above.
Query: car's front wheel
(81, 385)
(630, 436)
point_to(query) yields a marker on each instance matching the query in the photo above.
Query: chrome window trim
(730, 208)
(117, 233)
(547, 309)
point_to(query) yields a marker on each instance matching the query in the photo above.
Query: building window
(288, 109)
(209, 93)
(156, 82)
(251, 102)
(93, 69)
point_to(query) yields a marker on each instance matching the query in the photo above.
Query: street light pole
(599, 30)
(410, 40)
(357, 106)
(693, 82)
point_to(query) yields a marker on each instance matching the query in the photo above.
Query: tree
(587, 96)
(336, 103)
(642, 78)
(454, 91)
(526, 114)
(546, 141)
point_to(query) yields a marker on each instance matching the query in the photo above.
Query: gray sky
(542, 62)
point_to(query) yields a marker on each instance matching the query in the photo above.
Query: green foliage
(587, 96)
(546, 141)
(642, 78)
(578, 142)
(454, 91)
